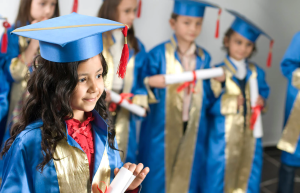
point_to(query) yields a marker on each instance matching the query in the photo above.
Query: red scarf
(82, 133)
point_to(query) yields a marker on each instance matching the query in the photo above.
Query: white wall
(276, 17)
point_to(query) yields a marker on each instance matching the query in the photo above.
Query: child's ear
(172, 23)
(226, 41)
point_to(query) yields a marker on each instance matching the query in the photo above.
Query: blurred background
(276, 17)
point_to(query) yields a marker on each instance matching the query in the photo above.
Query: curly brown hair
(50, 86)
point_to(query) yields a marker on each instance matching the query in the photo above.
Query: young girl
(62, 142)
(20, 50)
(173, 134)
(289, 143)
(234, 160)
(124, 11)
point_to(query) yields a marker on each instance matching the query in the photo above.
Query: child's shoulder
(160, 47)
(31, 136)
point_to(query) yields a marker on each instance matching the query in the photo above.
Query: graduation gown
(125, 124)
(70, 173)
(176, 160)
(290, 68)
(234, 161)
(14, 70)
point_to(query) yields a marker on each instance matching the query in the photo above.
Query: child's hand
(108, 97)
(240, 100)
(138, 171)
(260, 101)
(157, 81)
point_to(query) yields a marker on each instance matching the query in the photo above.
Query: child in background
(289, 143)
(234, 161)
(124, 11)
(63, 141)
(173, 133)
(21, 51)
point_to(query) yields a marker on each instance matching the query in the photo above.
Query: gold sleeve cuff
(151, 96)
(216, 87)
(296, 78)
(229, 104)
(141, 100)
(18, 69)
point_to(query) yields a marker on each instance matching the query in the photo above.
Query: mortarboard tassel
(125, 55)
(218, 24)
(139, 9)
(4, 42)
(269, 60)
(75, 6)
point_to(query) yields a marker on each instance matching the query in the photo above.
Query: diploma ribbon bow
(100, 191)
(187, 84)
(255, 113)
(124, 96)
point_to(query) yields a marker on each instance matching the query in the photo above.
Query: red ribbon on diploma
(124, 96)
(187, 84)
(100, 191)
(256, 112)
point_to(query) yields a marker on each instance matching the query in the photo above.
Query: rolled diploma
(129, 182)
(133, 108)
(188, 76)
(120, 181)
(258, 127)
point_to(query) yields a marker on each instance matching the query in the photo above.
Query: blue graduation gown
(176, 160)
(125, 124)
(290, 68)
(234, 159)
(70, 173)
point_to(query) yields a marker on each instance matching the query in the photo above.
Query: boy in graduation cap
(289, 142)
(173, 134)
(234, 160)
(64, 141)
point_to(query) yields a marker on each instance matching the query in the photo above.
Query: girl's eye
(82, 80)
(238, 42)
(249, 44)
(135, 10)
(186, 23)
(127, 10)
(54, 4)
(43, 4)
(199, 23)
(99, 75)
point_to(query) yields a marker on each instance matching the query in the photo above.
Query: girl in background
(124, 11)
(234, 161)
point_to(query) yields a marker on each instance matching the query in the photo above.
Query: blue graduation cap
(4, 41)
(73, 37)
(195, 8)
(249, 30)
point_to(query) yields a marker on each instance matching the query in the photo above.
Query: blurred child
(234, 161)
(124, 11)
(173, 133)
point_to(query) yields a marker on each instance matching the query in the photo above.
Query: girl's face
(90, 85)
(187, 28)
(42, 9)
(239, 47)
(127, 11)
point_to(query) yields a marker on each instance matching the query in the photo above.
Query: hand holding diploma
(138, 171)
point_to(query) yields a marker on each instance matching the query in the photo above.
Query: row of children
(199, 139)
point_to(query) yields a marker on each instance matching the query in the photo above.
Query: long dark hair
(50, 86)
(227, 36)
(109, 10)
(24, 13)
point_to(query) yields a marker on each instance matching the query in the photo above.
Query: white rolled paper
(129, 182)
(188, 76)
(258, 127)
(118, 185)
(133, 108)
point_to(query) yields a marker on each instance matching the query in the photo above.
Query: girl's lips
(90, 100)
